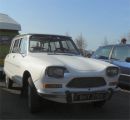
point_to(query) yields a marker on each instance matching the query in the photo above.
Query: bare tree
(81, 43)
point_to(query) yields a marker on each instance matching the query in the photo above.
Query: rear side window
(121, 53)
(103, 52)
(15, 46)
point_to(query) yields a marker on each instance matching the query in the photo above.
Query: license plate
(90, 96)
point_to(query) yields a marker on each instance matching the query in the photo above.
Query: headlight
(112, 71)
(57, 72)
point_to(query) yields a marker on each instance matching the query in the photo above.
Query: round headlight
(112, 71)
(57, 72)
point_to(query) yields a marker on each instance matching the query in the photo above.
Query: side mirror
(127, 59)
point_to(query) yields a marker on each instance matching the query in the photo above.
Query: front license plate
(90, 96)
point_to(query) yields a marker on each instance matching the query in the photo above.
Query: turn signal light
(52, 85)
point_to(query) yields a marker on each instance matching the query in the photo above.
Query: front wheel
(33, 99)
(1, 75)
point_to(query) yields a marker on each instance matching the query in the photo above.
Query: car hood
(124, 66)
(74, 62)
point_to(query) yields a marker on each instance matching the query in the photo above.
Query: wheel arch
(25, 80)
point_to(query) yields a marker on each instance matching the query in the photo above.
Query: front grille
(124, 78)
(86, 82)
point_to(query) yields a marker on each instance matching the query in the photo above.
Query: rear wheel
(34, 99)
(99, 103)
(8, 82)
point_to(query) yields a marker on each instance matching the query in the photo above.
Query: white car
(51, 67)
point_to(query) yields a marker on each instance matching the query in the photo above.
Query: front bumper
(74, 97)
(124, 81)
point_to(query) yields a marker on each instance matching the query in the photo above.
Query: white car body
(78, 67)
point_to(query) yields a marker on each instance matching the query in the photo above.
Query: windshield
(102, 52)
(52, 44)
(118, 53)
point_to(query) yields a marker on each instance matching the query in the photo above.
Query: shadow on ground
(13, 106)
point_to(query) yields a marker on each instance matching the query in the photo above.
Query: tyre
(34, 99)
(8, 82)
(1, 75)
(24, 91)
(99, 104)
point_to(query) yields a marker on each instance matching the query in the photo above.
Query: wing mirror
(127, 59)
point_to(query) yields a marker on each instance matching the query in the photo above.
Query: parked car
(118, 55)
(51, 67)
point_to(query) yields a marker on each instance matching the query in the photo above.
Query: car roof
(36, 34)
(116, 45)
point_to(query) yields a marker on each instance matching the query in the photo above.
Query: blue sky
(95, 19)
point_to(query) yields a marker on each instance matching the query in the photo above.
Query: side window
(65, 45)
(23, 46)
(46, 46)
(103, 52)
(120, 53)
(55, 45)
(15, 46)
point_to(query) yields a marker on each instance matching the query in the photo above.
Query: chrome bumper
(68, 96)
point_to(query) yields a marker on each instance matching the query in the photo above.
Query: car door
(9, 65)
(18, 60)
(118, 56)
